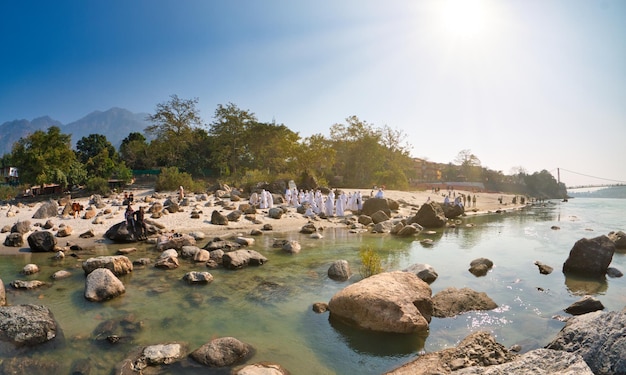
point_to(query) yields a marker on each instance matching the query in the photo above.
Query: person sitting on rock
(130, 218)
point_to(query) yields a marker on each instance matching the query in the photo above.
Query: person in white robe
(263, 203)
(270, 199)
(341, 204)
(329, 205)
(359, 201)
(254, 199)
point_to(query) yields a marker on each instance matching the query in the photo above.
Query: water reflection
(379, 344)
(580, 286)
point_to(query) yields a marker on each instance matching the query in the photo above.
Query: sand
(181, 222)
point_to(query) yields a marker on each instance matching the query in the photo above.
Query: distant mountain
(115, 124)
(609, 192)
(12, 131)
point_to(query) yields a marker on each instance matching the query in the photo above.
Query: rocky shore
(400, 301)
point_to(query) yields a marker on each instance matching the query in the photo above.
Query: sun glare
(465, 19)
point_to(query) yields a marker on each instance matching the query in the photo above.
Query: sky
(532, 84)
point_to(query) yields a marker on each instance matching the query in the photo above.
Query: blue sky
(521, 83)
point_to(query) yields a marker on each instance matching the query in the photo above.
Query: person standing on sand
(474, 201)
(181, 193)
(140, 224)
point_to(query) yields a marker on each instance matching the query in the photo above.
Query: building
(9, 175)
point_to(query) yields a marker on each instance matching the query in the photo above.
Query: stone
(30, 269)
(47, 209)
(262, 368)
(41, 241)
(544, 269)
(65, 231)
(320, 307)
(397, 302)
(27, 325)
(218, 219)
(275, 212)
(62, 274)
(241, 258)
(27, 284)
(429, 215)
(88, 234)
(21, 227)
(167, 260)
(14, 240)
(222, 352)
(234, 215)
(101, 285)
(619, 238)
(339, 270)
(379, 217)
(590, 257)
(174, 241)
(195, 277)
(452, 301)
(118, 264)
(424, 271)
(292, 247)
(365, 220)
(480, 266)
(372, 205)
(598, 337)
(585, 305)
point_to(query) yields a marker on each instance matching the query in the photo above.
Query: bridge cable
(599, 178)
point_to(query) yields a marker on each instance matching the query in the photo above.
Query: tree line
(235, 147)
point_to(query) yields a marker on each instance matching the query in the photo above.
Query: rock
(544, 269)
(408, 231)
(372, 205)
(598, 337)
(383, 227)
(221, 352)
(101, 285)
(197, 235)
(29, 284)
(430, 215)
(275, 212)
(62, 274)
(308, 228)
(3, 294)
(241, 258)
(47, 209)
(119, 233)
(90, 213)
(292, 247)
(262, 368)
(451, 302)
(21, 227)
(320, 307)
(424, 271)
(27, 325)
(175, 241)
(538, 361)
(218, 219)
(189, 251)
(14, 240)
(365, 220)
(267, 227)
(30, 269)
(118, 264)
(5, 229)
(167, 260)
(198, 277)
(387, 302)
(619, 238)
(614, 272)
(585, 305)
(41, 241)
(65, 231)
(88, 234)
(234, 215)
(480, 266)
(590, 257)
(48, 224)
(202, 256)
(477, 349)
(218, 243)
(339, 270)
(126, 250)
(379, 217)
(452, 211)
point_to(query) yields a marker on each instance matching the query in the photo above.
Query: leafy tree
(44, 157)
(92, 145)
(172, 128)
(230, 133)
(135, 152)
(469, 165)
(314, 156)
(269, 146)
(544, 185)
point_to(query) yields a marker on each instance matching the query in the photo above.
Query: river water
(269, 306)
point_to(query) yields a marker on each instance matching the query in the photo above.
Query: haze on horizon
(530, 84)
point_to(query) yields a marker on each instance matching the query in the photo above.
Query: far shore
(181, 222)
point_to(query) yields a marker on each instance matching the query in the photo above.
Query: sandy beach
(181, 222)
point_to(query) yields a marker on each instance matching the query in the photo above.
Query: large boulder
(21, 227)
(585, 305)
(41, 241)
(27, 325)
(430, 215)
(424, 271)
(379, 216)
(241, 258)
(218, 219)
(387, 302)
(221, 352)
(452, 211)
(118, 264)
(452, 301)
(598, 337)
(339, 270)
(119, 233)
(47, 209)
(101, 285)
(619, 238)
(590, 257)
(374, 205)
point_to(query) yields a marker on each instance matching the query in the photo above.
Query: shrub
(8, 192)
(98, 185)
(371, 263)
(171, 178)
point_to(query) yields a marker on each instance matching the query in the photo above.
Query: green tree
(135, 152)
(314, 156)
(44, 157)
(470, 165)
(172, 127)
(269, 147)
(92, 145)
(230, 133)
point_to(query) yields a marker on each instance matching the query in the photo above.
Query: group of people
(461, 200)
(135, 221)
(314, 201)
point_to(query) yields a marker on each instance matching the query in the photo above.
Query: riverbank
(181, 222)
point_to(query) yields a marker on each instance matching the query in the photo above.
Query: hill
(115, 124)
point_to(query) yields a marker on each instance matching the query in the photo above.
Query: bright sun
(464, 19)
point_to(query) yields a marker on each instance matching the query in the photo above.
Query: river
(269, 306)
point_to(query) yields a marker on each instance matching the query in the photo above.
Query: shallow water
(269, 306)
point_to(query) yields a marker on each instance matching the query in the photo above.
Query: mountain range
(115, 124)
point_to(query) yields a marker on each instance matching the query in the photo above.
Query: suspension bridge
(602, 181)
